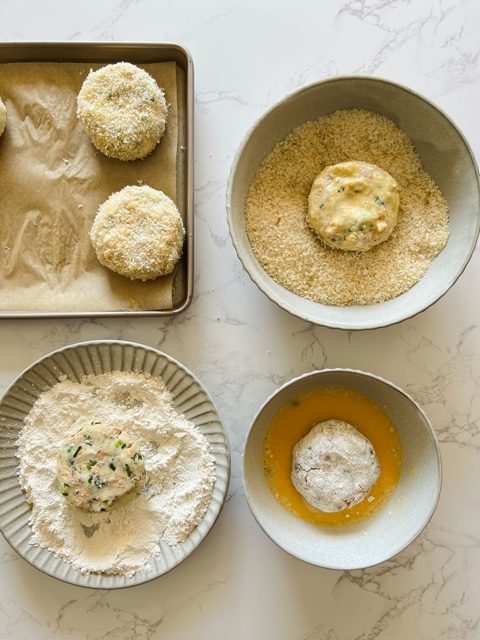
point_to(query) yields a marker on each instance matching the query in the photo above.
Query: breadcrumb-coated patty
(122, 109)
(3, 117)
(138, 232)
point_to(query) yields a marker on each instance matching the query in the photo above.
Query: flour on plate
(180, 473)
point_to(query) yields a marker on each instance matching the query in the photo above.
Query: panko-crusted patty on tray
(123, 111)
(138, 232)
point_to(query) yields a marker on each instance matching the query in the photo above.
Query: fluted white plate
(76, 362)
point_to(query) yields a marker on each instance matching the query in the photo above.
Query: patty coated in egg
(334, 466)
(99, 465)
(353, 205)
(138, 232)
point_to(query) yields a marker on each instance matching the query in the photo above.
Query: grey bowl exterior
(391, 528)
(446, 156)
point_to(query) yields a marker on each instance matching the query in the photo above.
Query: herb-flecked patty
(97, 466)
(353, 205)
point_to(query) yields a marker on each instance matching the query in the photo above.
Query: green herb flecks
(128, 470)
(91, 463)
(97, 481)
(77, 451)
(380, 202)
(112, 466)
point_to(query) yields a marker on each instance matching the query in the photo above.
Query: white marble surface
(238, 585)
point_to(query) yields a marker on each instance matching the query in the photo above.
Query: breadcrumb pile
(292, 254)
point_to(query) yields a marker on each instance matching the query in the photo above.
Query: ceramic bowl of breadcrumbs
(354, 203)
(341, 469)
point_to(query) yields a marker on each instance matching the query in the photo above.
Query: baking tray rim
(102, 51)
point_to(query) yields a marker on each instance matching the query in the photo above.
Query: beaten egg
(298, 417)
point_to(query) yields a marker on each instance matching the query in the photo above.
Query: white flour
(180, 473)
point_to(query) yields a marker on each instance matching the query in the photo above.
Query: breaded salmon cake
(123, 111)
(138, 232)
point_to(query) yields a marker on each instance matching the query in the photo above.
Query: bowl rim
(308, 317)
(256, 513)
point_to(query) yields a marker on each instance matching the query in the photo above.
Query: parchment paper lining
(52, 181)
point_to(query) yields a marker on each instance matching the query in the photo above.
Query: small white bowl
(445, 154)
(382, 535)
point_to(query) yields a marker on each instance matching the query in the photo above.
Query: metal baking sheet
(136, 53)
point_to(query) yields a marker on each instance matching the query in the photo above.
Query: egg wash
(295, 419)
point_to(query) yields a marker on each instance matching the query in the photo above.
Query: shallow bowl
(391, 528)
(445, 154)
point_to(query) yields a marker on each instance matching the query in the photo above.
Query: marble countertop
(238, 584)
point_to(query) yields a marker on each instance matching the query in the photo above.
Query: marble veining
(238, 584)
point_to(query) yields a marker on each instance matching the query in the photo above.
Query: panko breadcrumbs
(122, 109)
(292, 254)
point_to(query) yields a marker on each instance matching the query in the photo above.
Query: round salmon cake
(123, 111)
(353, 205)
(138, 232)
(334, 466)
(99, 465)
(3, 117)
